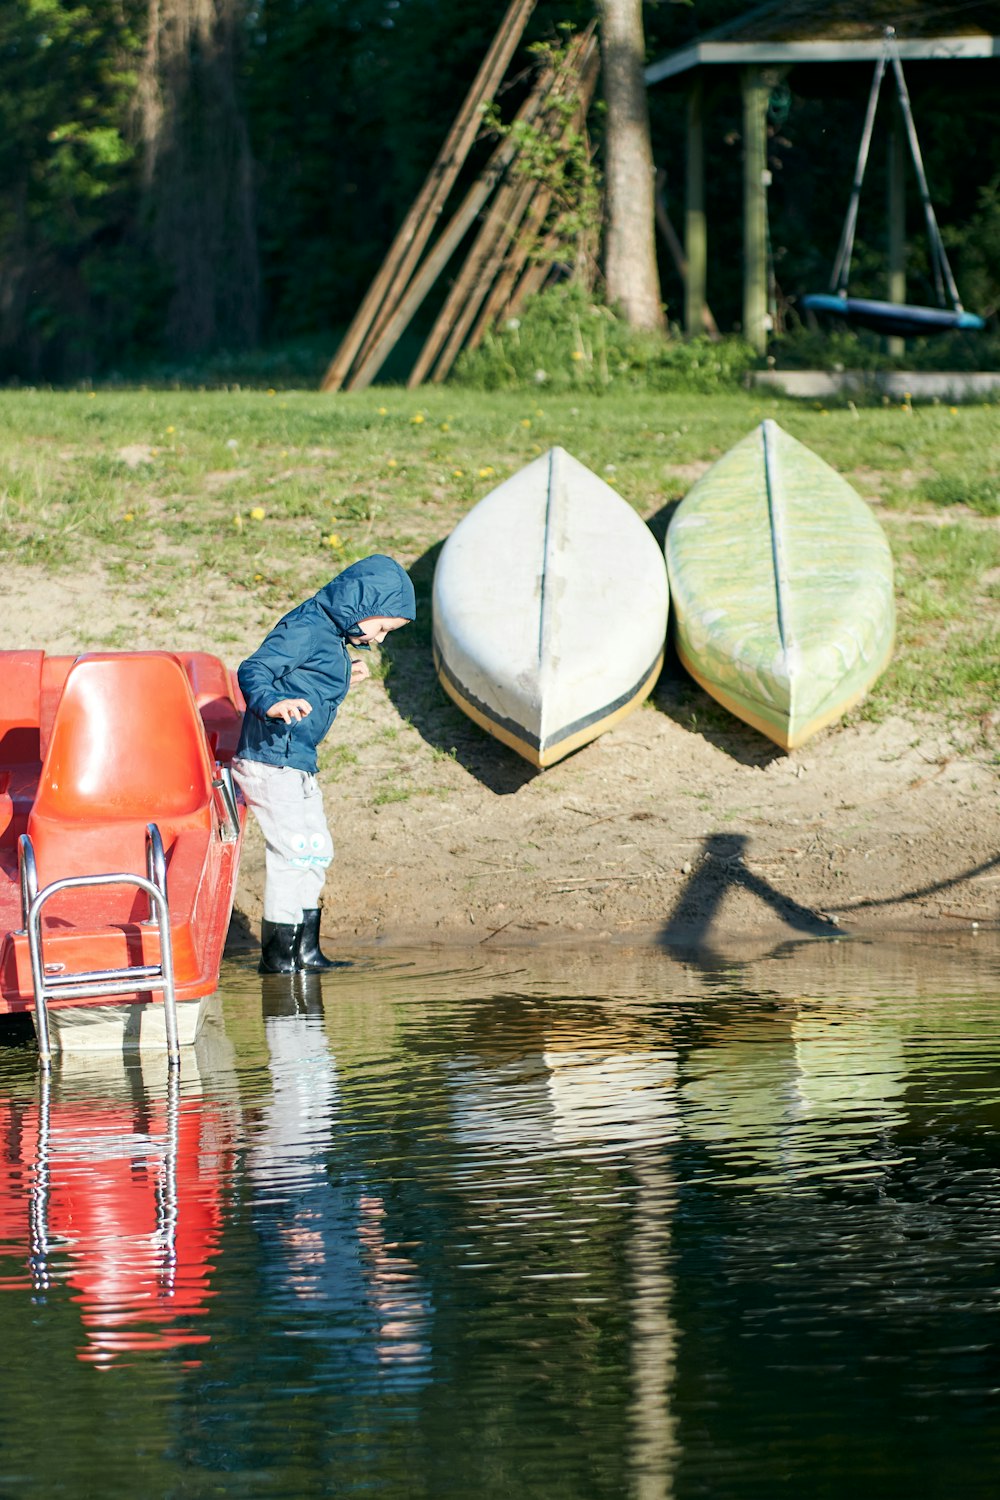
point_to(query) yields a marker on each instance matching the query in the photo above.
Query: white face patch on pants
(288, 805)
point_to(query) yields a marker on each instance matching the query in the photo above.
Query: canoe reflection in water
(557, 1127)
(111, 1180)
(331, 1273)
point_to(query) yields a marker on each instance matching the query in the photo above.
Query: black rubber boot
(307, 953)
(279, 943)
(290, 995)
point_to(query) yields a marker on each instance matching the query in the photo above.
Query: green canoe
(781, 582)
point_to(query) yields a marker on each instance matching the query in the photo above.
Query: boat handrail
(28, 875)
(229, 829)
(156, 865)
(100, 982)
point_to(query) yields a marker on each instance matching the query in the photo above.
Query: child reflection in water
(331, 1260)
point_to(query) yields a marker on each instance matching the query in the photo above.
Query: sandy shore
(681, 825)
(656, 832)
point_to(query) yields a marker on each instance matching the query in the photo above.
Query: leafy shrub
(831, 347)
(566, 340)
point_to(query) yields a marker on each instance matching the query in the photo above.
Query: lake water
(626, 1224)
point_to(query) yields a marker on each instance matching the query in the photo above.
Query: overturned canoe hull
(781, 580)
(550, 610)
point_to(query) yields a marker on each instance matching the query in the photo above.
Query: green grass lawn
(272, 493)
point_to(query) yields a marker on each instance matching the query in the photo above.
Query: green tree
(68, 249)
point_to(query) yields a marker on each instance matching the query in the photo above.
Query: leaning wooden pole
(490, 231)
(416, 228)
(393, 320)
(524, 242)
(536, 273)
(489, 249)
(395, 314)
(483, 279)
(512, 267)
(501, 293)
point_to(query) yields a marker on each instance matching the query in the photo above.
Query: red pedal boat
(120, 838)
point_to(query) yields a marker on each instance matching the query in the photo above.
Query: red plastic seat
(127, 748)
(219, 700)
(19, 708)
(30, 686)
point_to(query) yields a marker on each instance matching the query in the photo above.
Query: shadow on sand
(933, 889)
(721, 866)
(689, 931)
(413, 688)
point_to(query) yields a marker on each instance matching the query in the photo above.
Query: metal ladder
(99, 982)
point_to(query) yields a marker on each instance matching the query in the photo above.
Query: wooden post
(535, 275)
(494, 261)
(695, 230)
(755, 317)
(512, 267)
(416, 228)
(534, 218)
(897, 220)
(673, 244)
(393, 320)
(471, 286)
(485, 259)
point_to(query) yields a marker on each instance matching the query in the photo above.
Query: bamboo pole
(534, 219)
(513, 265)
(482, 265)
(508, 206)
(392, 323)
(393, 319)
(535, 274)
(481, 284)
(416, 228)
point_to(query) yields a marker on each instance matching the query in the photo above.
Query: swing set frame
(751, 52)
(896, 319)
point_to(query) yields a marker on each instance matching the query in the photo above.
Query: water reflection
(801, 1094)
(112, 1176)
(545, 1227)
(597, 1102)
(329, 1268)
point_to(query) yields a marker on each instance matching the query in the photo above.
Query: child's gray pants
(288, 805)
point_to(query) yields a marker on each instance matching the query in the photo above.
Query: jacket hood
(376, 585)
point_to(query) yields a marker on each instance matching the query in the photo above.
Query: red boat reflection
(118, 1195)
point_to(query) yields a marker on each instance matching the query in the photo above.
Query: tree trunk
(198, 173)
(630, 243)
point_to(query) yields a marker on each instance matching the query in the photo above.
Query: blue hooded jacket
(306, 656)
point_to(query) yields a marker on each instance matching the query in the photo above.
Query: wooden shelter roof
(796, 31)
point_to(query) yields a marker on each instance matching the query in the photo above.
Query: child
(293, 685)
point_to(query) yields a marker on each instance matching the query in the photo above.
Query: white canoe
(550, 609)
(781, 582)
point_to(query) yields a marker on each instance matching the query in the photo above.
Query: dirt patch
(220, 479)
(679, 825)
